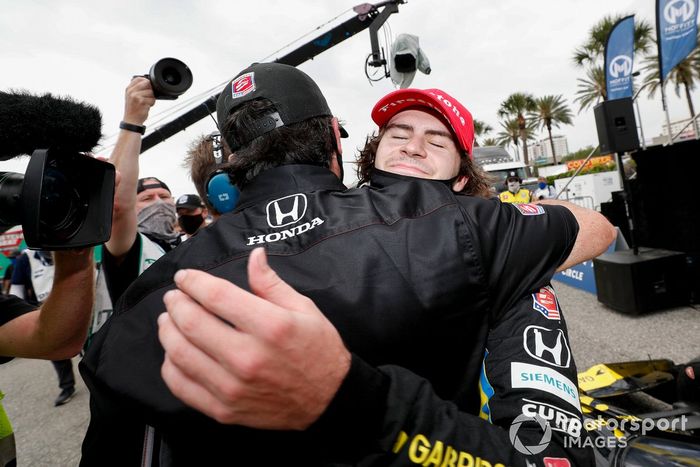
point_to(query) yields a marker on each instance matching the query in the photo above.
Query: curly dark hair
(309, 142)
(479, 182)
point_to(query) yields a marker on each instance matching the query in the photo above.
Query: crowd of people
(388, 324)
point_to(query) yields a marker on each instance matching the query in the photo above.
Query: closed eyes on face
(434, 137)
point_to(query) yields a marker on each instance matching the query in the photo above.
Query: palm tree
(491, 142)
(685, 74)
(551, 111)
(510, 132)
(592, 89)
(516, 106)
(480, 129)
(591, 52)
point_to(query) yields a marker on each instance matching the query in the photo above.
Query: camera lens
(10, 194)
(171, 76)
(61, 210)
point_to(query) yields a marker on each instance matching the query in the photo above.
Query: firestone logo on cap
(449, 105)
(411, 100)
(244, 84)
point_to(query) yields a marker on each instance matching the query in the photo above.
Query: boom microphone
(29, 122)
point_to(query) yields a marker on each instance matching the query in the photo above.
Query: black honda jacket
(415, 278)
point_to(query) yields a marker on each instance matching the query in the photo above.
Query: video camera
(64, 199)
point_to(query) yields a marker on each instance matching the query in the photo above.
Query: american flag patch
(545, 301)
(529, 209)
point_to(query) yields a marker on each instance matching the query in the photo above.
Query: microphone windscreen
(29, 122)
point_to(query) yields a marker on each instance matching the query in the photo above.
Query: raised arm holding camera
(143, 224)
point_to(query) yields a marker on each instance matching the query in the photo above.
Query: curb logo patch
(244, 84)
(545, 301)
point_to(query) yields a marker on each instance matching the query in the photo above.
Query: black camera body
(64, 200)
(169, 78)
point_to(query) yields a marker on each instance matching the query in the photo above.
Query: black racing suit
(420, 283)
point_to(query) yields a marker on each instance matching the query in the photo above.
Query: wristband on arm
(141, 129)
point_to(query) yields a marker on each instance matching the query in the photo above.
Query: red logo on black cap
(243, 85)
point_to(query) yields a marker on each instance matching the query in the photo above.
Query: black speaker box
(652, 280)
(616, 125)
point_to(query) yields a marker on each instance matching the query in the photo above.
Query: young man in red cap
(410, 278)
(424, 134)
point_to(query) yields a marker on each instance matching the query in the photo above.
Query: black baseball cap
(189, 201)
(294, 94)
(148, 183)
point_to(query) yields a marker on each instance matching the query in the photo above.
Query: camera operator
(64, 202)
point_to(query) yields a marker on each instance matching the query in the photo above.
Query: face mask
(189, 223)
(513, 187)
(158, 219)
(542, 185)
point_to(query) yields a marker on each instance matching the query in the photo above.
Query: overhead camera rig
(368, 15)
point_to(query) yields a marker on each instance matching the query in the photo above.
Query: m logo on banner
(683, 9)
(286, 211)
(620, 66)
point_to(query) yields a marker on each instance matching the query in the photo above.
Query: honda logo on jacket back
(286, 211)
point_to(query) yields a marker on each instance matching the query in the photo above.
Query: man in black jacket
(410, 277)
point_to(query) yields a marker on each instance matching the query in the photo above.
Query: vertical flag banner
(676, 29)
(619, 52)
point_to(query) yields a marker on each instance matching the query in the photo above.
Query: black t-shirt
(12, 307)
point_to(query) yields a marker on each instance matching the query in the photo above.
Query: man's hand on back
(277, 365)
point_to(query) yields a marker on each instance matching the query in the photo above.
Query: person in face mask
(514, 193)
(191, 214)
(543, 190)
(155, 212)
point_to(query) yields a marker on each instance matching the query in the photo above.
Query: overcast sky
(479, 51)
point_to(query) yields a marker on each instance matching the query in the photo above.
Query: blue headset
(221, 193)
